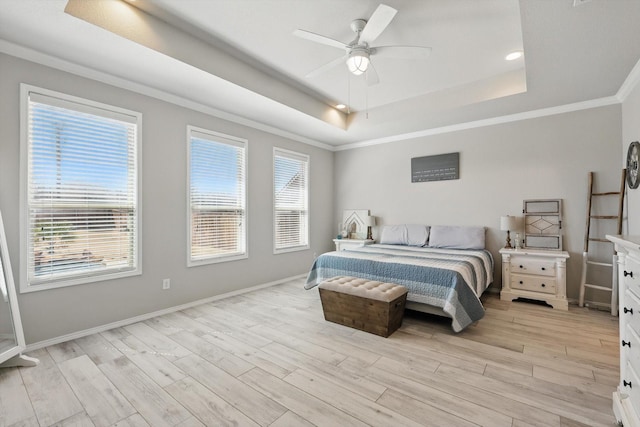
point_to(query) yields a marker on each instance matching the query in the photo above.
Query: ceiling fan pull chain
(348, 93)
(366, 100)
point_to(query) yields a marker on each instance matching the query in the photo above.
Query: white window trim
(25, 287)
(213, 134)
(307, 158)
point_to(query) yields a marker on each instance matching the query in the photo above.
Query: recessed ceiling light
(513, 55)
(341, 106)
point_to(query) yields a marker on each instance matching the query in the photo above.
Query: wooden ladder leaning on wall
(586, 262)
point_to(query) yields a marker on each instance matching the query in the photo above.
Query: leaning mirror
(11, 335)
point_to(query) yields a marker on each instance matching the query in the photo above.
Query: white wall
(631, 132)
(52, 313)
(500, 166)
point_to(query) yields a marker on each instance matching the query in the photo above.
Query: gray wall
(500, 166)
(52, 313)
(631, 132)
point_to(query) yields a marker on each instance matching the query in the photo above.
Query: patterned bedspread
(451, 279)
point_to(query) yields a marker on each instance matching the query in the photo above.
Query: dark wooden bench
(370, 306)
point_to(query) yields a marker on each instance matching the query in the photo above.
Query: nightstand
(535, 274)
(342, 244)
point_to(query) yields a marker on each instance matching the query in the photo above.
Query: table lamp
(508, 223)
(369, 221)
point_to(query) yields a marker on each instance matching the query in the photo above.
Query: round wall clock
(633, 157)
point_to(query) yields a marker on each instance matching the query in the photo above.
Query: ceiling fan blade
(308, 35)
(327, 66)
(401, 52)
(372, 75)
(377, 23)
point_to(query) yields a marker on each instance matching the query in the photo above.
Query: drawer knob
(628, 310)
(628, 273)
(521, 267)
(627, 343)
(520, 282)
(626, 384)
(543, 285)
(543, 269)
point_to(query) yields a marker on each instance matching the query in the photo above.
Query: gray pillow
(393, 235)
(405, 234)
(417, 235)
(456, 237)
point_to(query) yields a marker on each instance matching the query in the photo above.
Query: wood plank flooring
(268, 358)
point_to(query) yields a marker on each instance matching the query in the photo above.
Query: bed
(440, 280)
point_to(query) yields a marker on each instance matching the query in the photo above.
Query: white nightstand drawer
(631, 311)
(531, 266)
(533, 284)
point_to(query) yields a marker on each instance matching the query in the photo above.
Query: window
(291, 200)
(80, 184)
(217, 197)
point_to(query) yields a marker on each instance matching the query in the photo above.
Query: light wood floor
(268, 358)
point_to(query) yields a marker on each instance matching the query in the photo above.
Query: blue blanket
(451, 279)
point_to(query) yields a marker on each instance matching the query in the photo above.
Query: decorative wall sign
(435, 168)
(353, 221)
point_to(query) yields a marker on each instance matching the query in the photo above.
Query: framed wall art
(353, 222)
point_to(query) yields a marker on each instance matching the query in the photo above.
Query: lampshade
(358, 62)
(508, 223)
(370, 221)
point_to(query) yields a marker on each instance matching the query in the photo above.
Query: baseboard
(140, 318)
(603, 306)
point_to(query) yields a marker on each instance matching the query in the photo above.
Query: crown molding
(32, 55)
(543, 112)
(629, 83)
(29, 54)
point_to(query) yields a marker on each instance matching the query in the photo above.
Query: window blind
(291, 200)
(217, 197)
(82, 190)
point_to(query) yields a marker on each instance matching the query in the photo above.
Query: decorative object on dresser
(535, 274)
(626, 398)
(370, 221)
(543, 224)
(353, 221)
(508, 223)
(345, 244)
(371, 306)
(588, 259)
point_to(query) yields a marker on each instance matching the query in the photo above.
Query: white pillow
(393, 235)
(456, 237)
(417, 235)
(405, 234)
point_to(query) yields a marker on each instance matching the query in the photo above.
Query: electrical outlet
(166, 283)
(315, 255)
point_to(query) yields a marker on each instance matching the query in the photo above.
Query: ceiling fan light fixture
(358, 62)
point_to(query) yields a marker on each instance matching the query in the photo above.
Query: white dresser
(535, 274)
(626, 399)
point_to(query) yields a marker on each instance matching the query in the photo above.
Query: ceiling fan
(359, 51)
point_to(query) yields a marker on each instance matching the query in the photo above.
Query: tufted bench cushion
(368, 305)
